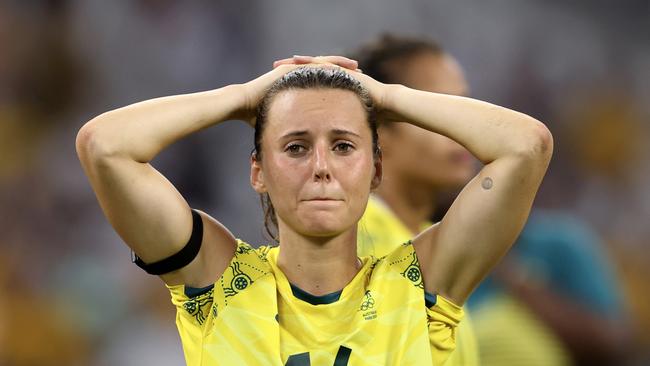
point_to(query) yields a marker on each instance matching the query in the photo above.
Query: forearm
(486, 130)
(141, 130)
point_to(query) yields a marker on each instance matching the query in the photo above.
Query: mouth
(321, 199)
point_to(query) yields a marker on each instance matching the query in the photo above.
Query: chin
(322, 229)
(323, 225)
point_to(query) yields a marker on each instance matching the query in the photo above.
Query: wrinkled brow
(301, 133)
(344, 132)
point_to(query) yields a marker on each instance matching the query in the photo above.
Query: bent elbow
(543, 141)
(92, 143)
(538, 143)
(84, 140)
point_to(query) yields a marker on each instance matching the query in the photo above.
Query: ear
(386, 136)
(379, 171)
(257, 175)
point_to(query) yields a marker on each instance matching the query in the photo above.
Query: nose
(321, 164)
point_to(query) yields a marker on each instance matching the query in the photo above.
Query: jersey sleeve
(194, 307)
(197, 308)
(443, 316)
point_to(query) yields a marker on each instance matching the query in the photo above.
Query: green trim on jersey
(314, 299)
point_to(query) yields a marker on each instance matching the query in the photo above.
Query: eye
(343, 147)
(295, 149)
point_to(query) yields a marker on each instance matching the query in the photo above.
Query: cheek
(355, 178)
(284, 175)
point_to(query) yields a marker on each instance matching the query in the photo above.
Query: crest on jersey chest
(367, 307)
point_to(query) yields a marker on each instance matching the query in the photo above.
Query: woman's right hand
(378, 91)
(254, 91)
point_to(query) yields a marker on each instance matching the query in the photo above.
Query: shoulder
(402, 261)
(245, 288)
(246, 266)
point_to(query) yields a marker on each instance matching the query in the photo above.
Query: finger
(339, 60)
(284, 61)
(299, 60)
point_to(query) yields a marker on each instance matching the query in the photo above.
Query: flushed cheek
(287, 172)
(285, 187)
(356, 182)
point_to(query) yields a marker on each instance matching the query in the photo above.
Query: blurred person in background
(406, 200)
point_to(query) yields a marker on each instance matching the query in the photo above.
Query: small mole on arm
(487, 183)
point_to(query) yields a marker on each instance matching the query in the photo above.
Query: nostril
(322, 175)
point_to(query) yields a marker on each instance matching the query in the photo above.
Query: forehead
(316, 111)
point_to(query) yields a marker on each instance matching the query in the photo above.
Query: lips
(318, 199)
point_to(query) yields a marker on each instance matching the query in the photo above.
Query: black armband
(181, 259)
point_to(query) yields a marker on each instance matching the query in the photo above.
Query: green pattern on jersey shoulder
(406, 260)
(247, 265)
(198, 305)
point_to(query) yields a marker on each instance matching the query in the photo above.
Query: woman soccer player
(311, 300)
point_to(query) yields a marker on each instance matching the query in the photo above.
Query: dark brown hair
(374, 57)
(307, 78)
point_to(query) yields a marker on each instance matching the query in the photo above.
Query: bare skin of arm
(146, 210)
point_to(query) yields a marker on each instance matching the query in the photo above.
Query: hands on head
(256, 89)
(323, 61)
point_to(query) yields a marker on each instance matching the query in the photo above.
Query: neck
(412, 203)
(318, 265)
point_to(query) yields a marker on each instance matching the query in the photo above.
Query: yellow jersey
(379, 232)
(252, 315)
(511, 334)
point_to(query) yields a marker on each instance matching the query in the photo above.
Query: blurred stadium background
(69, 294)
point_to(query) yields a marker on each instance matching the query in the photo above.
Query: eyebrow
(295, 134)
(301, 133)
(344, 132)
